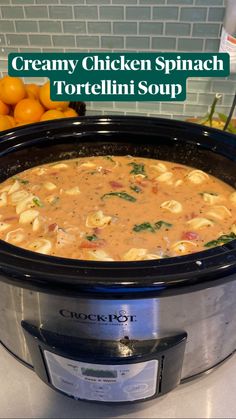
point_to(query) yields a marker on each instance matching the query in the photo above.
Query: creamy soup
(113, 208)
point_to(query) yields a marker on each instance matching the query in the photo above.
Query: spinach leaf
(138, 169)
(37, 202)
(149, 227)
(142, 227)
(135, 188)
(225, 238)
(23, 181)
(161, 223)
(109, 158)
(122, 195)
(92, 238)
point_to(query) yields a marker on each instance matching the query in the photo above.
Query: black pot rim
(162, 277)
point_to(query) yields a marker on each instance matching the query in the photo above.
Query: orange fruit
(5, 123)
(12, 90)
(28, 110)
(32, 90)
(19, 124)
(70, 113)
(12, 120)
(4, 109)
(52, 114)
(44, 97)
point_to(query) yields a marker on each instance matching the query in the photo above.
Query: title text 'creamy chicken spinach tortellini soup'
(110, 208)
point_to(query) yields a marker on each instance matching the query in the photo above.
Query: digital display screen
(90, 372)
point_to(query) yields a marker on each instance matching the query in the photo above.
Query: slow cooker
(118, 331)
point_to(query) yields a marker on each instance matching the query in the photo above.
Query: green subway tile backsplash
(99, 27)
(190, 14)
(138, 13)
(178, 29)
(172, 108)
(180, 2)
(74, 27)
(45, 1)
(22, 1)
(63, 41)
(36, 12)
(112, 42)
(120, 28)
(72, 1)
(206, 30)
(26, 26)
(212, 45)
(87, 41)
(122, 25)
(112, 12)
(148, 106)
(203, 85)
(188, 44)
(6, 26)
(222, 87)
(168, 13)
(216, 14)
(86, 12)
(51, 26)
(60, 12)
(2, 40)
(10, 12)
(204, 99)
(150, 28)
(16, 40)
(137, 42)
(209, 2)
(39, 40)
(149, 2)
(154, 2)
(163, 44)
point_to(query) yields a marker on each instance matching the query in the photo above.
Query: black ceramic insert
(201, 147)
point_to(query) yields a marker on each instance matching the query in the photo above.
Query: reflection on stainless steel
(208, 316)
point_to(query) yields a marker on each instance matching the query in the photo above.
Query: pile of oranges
(22, 104)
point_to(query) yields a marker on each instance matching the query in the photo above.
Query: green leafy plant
(212, 116)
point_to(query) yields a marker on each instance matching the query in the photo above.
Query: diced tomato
(140, 182)
(13, 218)
(52, 227)
(105, 171)
(97, 230)
(155, 189)
(86, 244)
(178, 168)
(190, 235)
(115, 185)
(191, 216)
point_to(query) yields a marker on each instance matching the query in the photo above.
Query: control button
(136, 388)
(100, 387)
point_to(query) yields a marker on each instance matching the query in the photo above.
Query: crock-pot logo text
(118, 318)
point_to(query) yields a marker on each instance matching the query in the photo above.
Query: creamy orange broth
(116, 209)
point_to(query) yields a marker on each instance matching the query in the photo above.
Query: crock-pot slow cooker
(118, 331)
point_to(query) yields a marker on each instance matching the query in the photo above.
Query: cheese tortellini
(219, 212)
(197, 177)
(199, 222)
(98, 219)
(173, 206)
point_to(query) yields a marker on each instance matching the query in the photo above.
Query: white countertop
(23, 395)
